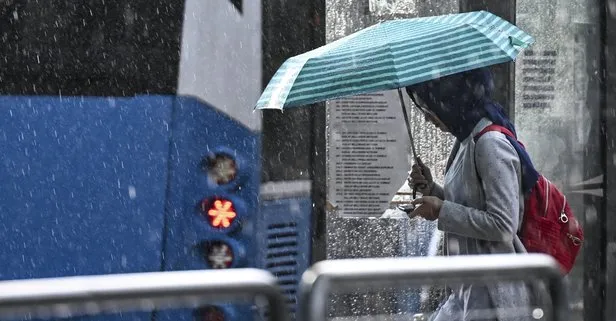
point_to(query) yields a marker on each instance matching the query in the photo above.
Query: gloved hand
(421, 177)
(429, 207)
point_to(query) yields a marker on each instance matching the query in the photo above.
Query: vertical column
(287, 137)
(294, 141)
(609, 127)
(318, 170)
(504, 75)
(590, 201)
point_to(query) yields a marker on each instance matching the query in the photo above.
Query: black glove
(420, 178)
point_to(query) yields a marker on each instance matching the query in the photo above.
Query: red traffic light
(211, 313)
(220, 212)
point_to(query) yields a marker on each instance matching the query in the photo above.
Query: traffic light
(223, 211)
(215, 313)
(225, 168)
(220, 167)
(223, 253)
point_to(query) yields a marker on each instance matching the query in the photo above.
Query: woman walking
(480, 205)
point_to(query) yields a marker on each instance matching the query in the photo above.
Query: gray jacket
(483, 209)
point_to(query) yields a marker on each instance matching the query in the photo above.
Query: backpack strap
(517, 243)
(497, 128)
(494, 128)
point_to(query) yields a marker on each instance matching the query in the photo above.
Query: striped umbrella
(394, 54)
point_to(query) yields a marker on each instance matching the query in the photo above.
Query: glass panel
(557, 111)
(365, 237)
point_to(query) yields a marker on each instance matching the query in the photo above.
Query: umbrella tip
(516, 42)
(263, 108)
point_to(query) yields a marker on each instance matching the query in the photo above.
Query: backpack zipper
(564, 219)
(563, 216)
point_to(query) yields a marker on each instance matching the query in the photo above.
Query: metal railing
(340, 276)
(87, 295)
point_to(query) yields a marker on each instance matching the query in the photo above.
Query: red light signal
(211, 313)
(220, 212)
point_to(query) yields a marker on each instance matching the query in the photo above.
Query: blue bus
(129, 144)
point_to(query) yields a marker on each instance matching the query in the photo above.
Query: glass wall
(556, 106)
(557, 112)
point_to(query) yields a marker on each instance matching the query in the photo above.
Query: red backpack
(549, 225)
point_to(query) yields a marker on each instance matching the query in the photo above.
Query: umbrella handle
(416, 186)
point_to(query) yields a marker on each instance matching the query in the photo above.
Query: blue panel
(198, 129)
(83, 185)
(285, 247)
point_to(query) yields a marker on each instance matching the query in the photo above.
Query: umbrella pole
(410, 132)
(408, 124)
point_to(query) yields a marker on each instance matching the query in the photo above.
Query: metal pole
(408, 125)
(86, 295)
(410, 132)
(331, 276)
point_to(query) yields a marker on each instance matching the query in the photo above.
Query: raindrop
(453, 245)
(591, 214)
(612, 8)
(537, 313)
(132, 192)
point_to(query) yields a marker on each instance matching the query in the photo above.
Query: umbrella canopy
(394, 54)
